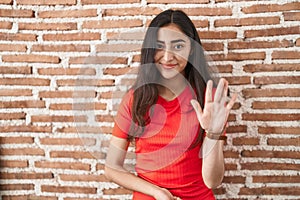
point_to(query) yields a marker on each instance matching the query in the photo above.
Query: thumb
(197, 108)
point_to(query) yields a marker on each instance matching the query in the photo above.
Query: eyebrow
(173, 41)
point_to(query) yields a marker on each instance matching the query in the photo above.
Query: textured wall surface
(65, 63)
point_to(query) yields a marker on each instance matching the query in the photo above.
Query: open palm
(214, 115)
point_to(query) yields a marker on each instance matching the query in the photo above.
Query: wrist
(216, 136)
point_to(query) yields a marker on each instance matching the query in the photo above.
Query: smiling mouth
(168, 66)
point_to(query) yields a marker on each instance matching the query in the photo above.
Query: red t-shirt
(163, 153)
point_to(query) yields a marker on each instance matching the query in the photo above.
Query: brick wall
(65, 63)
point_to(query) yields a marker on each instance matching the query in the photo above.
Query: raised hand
(214, 115)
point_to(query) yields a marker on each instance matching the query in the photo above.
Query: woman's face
(172, 51)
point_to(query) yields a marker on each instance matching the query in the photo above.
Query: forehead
(171, 32)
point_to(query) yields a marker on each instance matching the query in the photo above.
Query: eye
(160, 46)
(178, 46)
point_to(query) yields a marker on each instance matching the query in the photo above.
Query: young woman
(174, 116)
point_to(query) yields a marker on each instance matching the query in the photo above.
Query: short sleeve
(123, 118)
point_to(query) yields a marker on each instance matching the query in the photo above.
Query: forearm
(213, 162)
(130, 181)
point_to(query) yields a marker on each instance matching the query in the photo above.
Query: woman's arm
(115, 172)
(213, 119)
(213, 162)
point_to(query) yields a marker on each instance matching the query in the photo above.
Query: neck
(170, 89)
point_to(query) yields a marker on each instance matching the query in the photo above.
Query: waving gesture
(214, 115)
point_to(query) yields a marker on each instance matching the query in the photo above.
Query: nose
(168, 55)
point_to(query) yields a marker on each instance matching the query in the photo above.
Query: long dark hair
(145, 88)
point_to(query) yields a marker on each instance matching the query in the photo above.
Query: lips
(168, 66)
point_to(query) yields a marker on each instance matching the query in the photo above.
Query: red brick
(238, 56)
(116, 191)
(18, 37)
(260, 44)
(270, 154)
(298, 42)
(58, 118)
(68, 13)
(217, 34)
(284, 141)
(77, 154)
(23, 152)
(237, 129)
(294, 191)
(253, 21)
(207, 11)
(15, 70)
(278, 130)
(84, 178)
(85, 82)
(98, 60)
(26, 128)
(68, 189)
(252, 68)
(264, 80)
(78, 106)
(12, 116)
(118, 47)
(272, 32)
(106, 24)
(43, 2)
(25, 81)
(67, 94)
(230, 166)
(14, 13)
(22, 104)
(129, 35)
(61, 48)
(72, 36)
(13, 164)
(178, 1)
(286, 55)
(291, 16)
(238, 80)
(104, 118)
(13, 47)
(48, 26)
(200, 23)
(269, 166)
(31, 58)
(62, 165)
(81, 129)
(252, 93)
(231, 154)
(27, 197)
(213, 46)
(270, 117)
(245, 141)
(234, 179)
(261, 8)
(118, 71)
(5, 25)
(133, 11)
(10, 2)
(67, 71)
(15, 92)
(88, 2)
(68, 141)
(14, 187)
(276, 179)
(26, 175)
(276, 105)
(16, 140)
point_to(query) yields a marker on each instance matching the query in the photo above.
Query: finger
(225, 92)
(208, 92)
(197, 108)
(232, 101)
(219, 91)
